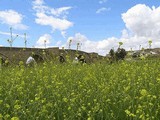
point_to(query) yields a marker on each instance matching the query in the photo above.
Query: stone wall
(14, 55)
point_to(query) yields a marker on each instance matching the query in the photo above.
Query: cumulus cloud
(142, 24)
(54, 17)
(55, 23)
(103, 9)
(44, 40)
(102, 1)
(101, 46)
(12, 18)
(141, 20)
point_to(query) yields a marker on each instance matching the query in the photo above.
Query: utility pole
(25, 40)
(70, 41)
(45, 43)
(78, 46)
(10, 41)
(11, 35)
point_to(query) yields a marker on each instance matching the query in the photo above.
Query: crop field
(118, 91)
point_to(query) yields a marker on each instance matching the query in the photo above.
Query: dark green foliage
(111, 53)
(120, 54)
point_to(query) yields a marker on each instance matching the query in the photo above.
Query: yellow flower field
(119, 91)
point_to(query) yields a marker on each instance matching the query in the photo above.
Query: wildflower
(143, 92)
(65, 99)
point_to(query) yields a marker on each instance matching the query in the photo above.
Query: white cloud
(55, 23)
(125, 33)
(103, 9)
(38, 2)
(63, 11)
(56, 18)
(12, 18)
(44, 40)
(58, 43)
(102, 1)
(78, 38)
(142, 24)
(13, 34)
(63, 33)
(142, 20)
(101, 47)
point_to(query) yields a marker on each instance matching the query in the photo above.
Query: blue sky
(97, 24)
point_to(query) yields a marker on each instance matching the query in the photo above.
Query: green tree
(112, 55)
(120, 54)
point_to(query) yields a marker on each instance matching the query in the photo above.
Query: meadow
(118, 91)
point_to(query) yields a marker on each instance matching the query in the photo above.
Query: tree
(120, 54)
(111, 53)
